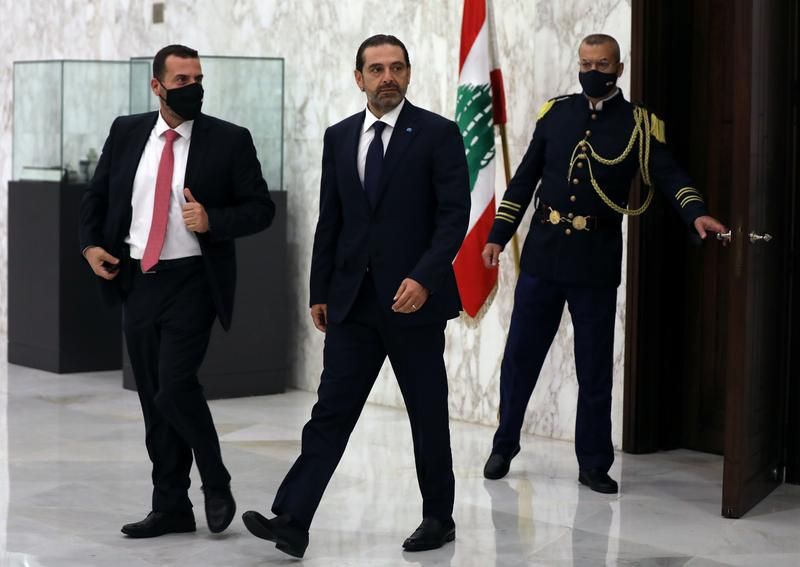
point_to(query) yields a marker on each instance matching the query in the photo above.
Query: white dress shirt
(368, 134)
(179, 241)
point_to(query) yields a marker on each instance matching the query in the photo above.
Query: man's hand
(102, 263)
(491, 255)
(410, 297)
(705, 224)
(194, 214)
(319, 314)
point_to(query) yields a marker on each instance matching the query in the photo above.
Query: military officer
(586, 150)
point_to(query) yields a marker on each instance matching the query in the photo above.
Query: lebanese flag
(480, 104)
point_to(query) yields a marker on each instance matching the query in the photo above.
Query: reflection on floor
(73, 469)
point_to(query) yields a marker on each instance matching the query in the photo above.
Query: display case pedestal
(57, 320)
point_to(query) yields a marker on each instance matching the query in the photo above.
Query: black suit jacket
(224, 176)
(417, 226)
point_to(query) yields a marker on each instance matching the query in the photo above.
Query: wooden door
(759, 268)
(708, 329)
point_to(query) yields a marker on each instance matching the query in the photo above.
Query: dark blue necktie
(372, 167)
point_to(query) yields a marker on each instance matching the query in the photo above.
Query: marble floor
(73, 469)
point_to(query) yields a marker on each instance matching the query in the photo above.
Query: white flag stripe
(482, 193)
(477, 64)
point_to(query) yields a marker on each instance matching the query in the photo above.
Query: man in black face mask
(586, 150)
(171, 191)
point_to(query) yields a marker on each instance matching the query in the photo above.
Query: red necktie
(158, 226)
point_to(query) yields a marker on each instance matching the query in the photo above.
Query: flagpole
(507, 169)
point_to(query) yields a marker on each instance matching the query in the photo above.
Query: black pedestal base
(57, 320)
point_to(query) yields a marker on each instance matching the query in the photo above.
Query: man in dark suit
(394, 208)
(171, 191)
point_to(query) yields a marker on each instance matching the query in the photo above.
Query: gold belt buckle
(555, 216)
(579, 223)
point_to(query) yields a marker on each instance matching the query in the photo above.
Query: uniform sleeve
(520, 190)
(671, 179)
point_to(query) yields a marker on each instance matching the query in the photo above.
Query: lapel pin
(409, 129)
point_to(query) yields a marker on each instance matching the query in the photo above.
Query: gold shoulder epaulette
(658, 128)
(545, 108)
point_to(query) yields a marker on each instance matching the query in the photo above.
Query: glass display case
(247, 91)
(62, 113)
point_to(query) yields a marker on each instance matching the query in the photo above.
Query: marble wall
(318, 39)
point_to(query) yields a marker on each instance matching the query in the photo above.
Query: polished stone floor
(73, 469)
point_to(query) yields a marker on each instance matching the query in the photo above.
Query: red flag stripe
(475, 282)
(471, 24)
(498, 97)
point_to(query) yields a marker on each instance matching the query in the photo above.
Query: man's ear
(359, 77)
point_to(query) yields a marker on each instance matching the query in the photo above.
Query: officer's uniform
(586, 159)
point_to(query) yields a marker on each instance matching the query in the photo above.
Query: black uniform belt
(546, 214)
(164, 265)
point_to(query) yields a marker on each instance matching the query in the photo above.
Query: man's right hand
(102, 263)
(491, 255)
(319, 314)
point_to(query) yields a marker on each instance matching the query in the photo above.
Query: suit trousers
(538, 307)
(167, 318)
(355, 350)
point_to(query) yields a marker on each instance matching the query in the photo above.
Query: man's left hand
(194, 214)
(705, 224)
(410, 297)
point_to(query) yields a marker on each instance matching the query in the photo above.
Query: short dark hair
(160, 60)
(600, 38)
(374, 41)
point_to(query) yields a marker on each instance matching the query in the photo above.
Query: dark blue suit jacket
(417, 226)
(224, 176)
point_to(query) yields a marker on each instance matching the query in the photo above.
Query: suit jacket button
(568, 231)
(573, 198)
(575, 181)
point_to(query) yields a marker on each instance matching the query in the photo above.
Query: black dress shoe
(160, 523)
(598, 480)
(288, 538)
(497, 465)
(220, 508)
(431, 534)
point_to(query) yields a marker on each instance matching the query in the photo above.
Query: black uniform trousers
(354, 353)
(167, 318)
(538, 307)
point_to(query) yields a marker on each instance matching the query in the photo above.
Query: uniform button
(580, 164)
(575, 181)
(594, 116)
(571, 215)
(588, 133)
(568, 231)
(573, 198)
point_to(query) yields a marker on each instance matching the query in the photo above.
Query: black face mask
(186, 101)
(597, 84)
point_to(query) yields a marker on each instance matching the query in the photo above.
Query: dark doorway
(708, 363)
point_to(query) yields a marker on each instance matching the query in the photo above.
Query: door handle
(726, 236)
(755, 237)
